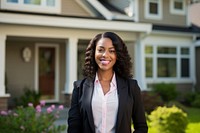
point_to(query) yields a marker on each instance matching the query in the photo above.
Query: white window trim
(20, 6)
(176, 11)
(178, 56)
(152, 16)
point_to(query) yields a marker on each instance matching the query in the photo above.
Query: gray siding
(167, 17)
(72, 8)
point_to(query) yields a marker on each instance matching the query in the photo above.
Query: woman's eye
(112, 51)
(100, 50)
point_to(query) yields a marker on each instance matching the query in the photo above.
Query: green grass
(193, 118)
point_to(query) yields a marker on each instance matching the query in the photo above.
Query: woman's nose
(105, 53)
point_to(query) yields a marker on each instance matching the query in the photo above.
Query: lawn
(194, 121)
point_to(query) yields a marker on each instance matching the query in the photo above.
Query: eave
(72, 22)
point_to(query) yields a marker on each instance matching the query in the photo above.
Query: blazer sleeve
(138, 114)
(74, 116)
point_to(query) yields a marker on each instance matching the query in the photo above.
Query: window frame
(21, 6)
(178, 56)
(177, 11)
(148, 15)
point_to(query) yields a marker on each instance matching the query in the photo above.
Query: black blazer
(80, 118)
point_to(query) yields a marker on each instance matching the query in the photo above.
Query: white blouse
(105, 107)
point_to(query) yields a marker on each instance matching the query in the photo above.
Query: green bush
(151, 101)
(192, 99)
(166, 91)
(168, 120)
(31, 120)
(196, 102)
(29, 96)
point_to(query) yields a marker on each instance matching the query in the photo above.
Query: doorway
(47, 71)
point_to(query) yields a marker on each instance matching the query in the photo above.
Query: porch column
(71, 64)
(2, 64)
(3, 96)
(140, 64)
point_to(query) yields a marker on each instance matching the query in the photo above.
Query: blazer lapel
(88, 92)
(122, 90)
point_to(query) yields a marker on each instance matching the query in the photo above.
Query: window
(42, 6)
(163, 62)
(153, 9)
(178, 7)
(185, 65)
(82, 45)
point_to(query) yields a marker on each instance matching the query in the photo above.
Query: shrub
(192, 99)
(196, 102)
(31, 120)
(166, 91)
(29, 96)
(168, 120)
(151, 101)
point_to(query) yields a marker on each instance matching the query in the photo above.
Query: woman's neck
(105, 75)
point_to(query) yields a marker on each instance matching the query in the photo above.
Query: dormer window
(178, 7)
(42, 6)
(153, 9)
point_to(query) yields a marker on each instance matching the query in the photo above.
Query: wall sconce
(26, 54)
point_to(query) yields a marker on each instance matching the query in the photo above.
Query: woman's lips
(105, 62)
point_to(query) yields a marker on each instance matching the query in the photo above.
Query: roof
(191, 29)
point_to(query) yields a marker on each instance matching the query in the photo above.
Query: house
(42, 43)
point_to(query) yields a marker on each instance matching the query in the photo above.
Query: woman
(107, 100)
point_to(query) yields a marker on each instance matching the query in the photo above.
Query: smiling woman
(107, 92)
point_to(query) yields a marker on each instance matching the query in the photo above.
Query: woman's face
(105, 54)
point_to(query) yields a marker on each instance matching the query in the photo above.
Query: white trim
(56, 46)
(176, 11)
(71, 63)
(104, 11)
(136, 11)
(177, 56)
(154, 16)
(109, 15)
(197, 43)
(80, 23)
(81, 3)
(2, 64)
(20, 6)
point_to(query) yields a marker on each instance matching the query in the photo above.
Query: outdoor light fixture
(26, 54)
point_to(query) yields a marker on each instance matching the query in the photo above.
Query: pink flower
(30, 104)
(49, 110)
(42, 103)
(4, 113)
(57, 116)
(60, 107)
(53, 106)
(38, 108)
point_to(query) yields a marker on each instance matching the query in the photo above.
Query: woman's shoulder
(132, 80)
(78, 83)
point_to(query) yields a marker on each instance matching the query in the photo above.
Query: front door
(47, 71)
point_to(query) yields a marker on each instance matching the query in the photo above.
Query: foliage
(196, 102)
(192, 99)
(29, 96)
(166, 91)
(168, 120)
(151, 101)
(31, 120)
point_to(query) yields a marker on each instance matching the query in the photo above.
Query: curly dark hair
(123, 63)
